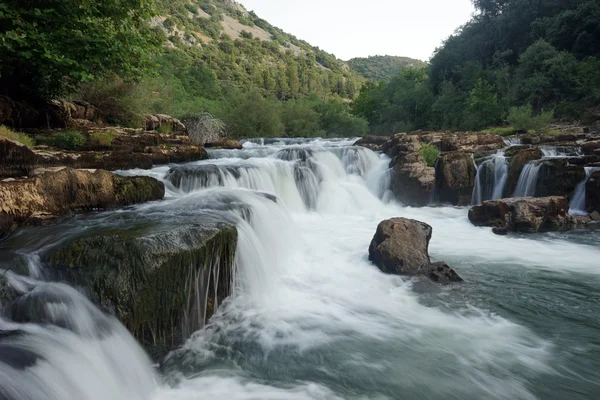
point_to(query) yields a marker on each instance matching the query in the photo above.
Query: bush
(191, 8)
(430, 154)
(204, 128)
(16, 136)
(165, 129)
(103, 138)
(69, 140)
(500, 131)
(522, 119)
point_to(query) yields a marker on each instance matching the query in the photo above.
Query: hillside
(241, 48)
(383, 68)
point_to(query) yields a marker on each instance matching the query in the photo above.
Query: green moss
(103, 138)
(430, 154)
(501, 131)
(138, 189)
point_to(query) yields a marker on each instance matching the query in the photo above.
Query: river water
(311, 317)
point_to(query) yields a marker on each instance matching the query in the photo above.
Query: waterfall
(512, 142)
(526, 186)
(490, 180)
(577, 205)
(560, 151)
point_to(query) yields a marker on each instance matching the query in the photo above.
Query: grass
(500, 131)
(430, 154)
(103, 138)
(69, 140)
(17, 136)
(165, 129)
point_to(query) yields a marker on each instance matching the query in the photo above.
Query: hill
(383, 68)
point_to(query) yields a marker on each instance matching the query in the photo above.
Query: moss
(138, 189)
(430, 154)
(103, 138)
(501, 131)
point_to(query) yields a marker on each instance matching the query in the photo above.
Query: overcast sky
(360, 28)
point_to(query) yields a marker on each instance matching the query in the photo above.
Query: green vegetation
(103, 138)
(16, 136)
(383, 68)
(430, 154)
(500, 131)
(69, 140)
(514, 57)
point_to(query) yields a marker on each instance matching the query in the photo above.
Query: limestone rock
(225, 144)
(412, 180)
(557, 177)
(400, 246)
(527, 214)
(592, 192)
(374, 143)
(454, 178)
(519, 157)
(16, 159)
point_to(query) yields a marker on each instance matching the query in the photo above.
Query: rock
(454, 178)
(412, 181)
(52, 194)
(592, 192)
(556, 177)
(527, 214)
(172, 125)
(157, 280)
(16, 159)
(400, 247)
(225, 144)
(374, 143)
(519, 157)
(595, 216)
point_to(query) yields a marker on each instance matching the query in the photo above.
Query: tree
(251, 115)
(482, 106)
(50, 46)
(300, 119)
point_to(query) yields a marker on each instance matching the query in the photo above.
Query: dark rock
(16, 159)
(412, 181)
(158, 281)
(400, 247)
(56, 193)
(374, 143)
(595, 216)
(527, 214)
(556, 177)
(592, 192)
(229, 144)
(454, 178)
(520, 156)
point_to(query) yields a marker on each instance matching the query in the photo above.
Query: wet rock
(412, 181)
(592, 192)
(161, 282)
(225, 144)
(519, 157)
(557, 177)
(454, 178)
(16, 159)
(52, 194)
(527, 214)
(400, 246)
(595, 215)
(374, 143)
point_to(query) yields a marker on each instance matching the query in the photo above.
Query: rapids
(311, 317)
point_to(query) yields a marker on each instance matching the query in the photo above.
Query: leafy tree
(483, 109)
(50, 46)
(300, 119)
(251, 115)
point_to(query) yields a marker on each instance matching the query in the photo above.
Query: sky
(360, 28)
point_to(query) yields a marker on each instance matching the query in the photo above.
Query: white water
(578, 206)
(528, 179)
(490, 180)
(312, 318)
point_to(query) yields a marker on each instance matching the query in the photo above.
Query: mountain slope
(383, 68)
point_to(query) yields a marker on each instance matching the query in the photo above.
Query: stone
(527, 214)
(400, 246)
(519, 157)
(16, 159)
(225, 144)
(455, 178)
(595, 216)
(56, 193)
(556, 177)
(412, 181)
(592, 192)
(374, 143)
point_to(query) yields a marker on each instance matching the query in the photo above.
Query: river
(311, 317)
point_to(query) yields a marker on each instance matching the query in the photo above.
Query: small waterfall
(513, 142)
(490, 180)
(526, 186)
(577, 205)
(560, 151)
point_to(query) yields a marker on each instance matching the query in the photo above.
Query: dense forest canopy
(383, 68)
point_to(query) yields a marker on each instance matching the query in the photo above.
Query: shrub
(165, 129)
(103, 138)
(522, 119)
(191, 8)
(430, 154)
(69, 140)
(204, 128)
(500, 131)
(16, 136)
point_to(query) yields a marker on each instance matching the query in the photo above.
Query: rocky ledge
(526, 214)
(52, 194)
(401, 247)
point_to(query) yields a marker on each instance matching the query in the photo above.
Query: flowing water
(490, 180)
(578, 204)
(311, 317)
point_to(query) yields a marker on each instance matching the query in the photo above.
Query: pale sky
(360, 28)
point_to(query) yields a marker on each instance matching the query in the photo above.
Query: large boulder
(592, 192)
(526, 214)
(556, 177)
(225, 144)
(412, 181)
(454, 178)
(56, 193)
(519, 157)
(400, 246)
(166, 122)
(162, 282)
(16, 159)
(374, 143)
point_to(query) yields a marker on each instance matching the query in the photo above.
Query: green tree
(251, 115)
(483, 109)
(300, 119)
(48, 47)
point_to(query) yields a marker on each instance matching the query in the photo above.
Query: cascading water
(310, 317)
(577, 205)
(490, 180)
(528, 179)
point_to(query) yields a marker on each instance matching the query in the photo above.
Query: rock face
(52, 194)
(527, 214)
(162, 283)
(156, 121)
(412, 180)
(16, 159)
(557, 177)
(519, 157)
(592, 192)
(225, 144)
(400, 246)
(454, 178)
(374, 143)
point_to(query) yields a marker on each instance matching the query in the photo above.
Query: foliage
(205, 128)
(16, 136)
(166, 129)
(523, 118)
(500, 131)
(49, 47)
(483, 109)
(300, 119)
(383, 68)
(69, 140)
(104, 138)
(251, 115)
(430, 154)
